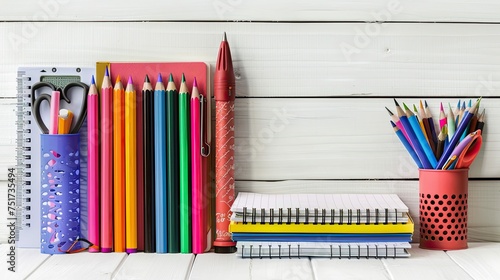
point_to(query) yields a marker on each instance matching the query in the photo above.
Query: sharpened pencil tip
(425, 102)
(146, 79)
(224, 38)
(183, 79)
(170, 78)
(93, 80)
(160, 79)
(107, 72)
(441, 108)
(195, 84)
(390, 113)
(395, 102)
(393, 124)
(406, 107)
(118, 79)
(130, 80)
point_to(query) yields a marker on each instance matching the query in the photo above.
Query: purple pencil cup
(60, 192)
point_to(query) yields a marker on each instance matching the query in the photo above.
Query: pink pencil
(93, 166)
(54, 111)
(106, 164)
(197, 205)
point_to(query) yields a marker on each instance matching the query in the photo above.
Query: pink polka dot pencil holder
(443, 208)
(60, 192)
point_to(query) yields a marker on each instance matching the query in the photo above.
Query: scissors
(36, 101)
(467, 150)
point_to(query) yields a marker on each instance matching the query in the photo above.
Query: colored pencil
(430, 120)
(172, 167)
(450, 123)
(130, 167)
(106, 164)
(93, 167)
(64, 123)
(197, 202)
(149, 166)
(442, 117)
(184, 190)
(119, 165)
(420, 136)
(413, 138)
(396, 120)
(480, 121)
(160, 167)
(441, 140)
(406, 144)
(458, 133)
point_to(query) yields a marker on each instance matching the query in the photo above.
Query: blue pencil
(407, 145)
(412, 119)
(160, 167)
(413, 138)
(458, 133)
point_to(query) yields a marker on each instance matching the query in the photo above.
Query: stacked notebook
(321, 225)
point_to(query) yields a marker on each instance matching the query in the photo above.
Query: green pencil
(173, 239)
(185, 207)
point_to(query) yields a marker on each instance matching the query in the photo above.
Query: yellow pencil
(65, 119)
(130, 168)
(119, 165)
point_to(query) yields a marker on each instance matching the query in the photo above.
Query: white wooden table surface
(480, 261)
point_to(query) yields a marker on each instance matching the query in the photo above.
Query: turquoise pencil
(421, 137)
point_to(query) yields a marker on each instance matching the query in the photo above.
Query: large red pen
(224, 91)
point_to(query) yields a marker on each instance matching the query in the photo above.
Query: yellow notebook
(323, 228)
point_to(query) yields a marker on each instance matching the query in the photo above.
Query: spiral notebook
(319, 208)
(318, 249)
(28, 152)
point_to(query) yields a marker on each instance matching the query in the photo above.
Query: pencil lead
(160, 79)
(130, 80)
(458, 105)
(107, 72)
(463, 106)
(224, 38)
(406, 107)
(118, 79)
(183, 79)
(195, 84)
(421, 105)
(425, 101)
(93, 81)
(146, 79)
(470, 103)
(390, 113)
(395, 102)
(393, 124)
(415, 108)
(442, 107)
(171, 78)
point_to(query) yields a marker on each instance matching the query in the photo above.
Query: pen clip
(205, 147)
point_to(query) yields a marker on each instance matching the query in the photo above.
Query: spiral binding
(23, 150)
(296, 251)
(320, 217)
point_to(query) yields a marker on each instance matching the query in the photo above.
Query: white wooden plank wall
(312, 82)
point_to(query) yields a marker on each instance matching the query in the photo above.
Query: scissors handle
(83, 112)
(36, 111)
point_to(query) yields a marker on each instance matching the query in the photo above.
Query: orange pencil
(119, 165)
(130, 167)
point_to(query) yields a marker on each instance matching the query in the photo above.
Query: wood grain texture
(80, 266)
(27, 261)
(325, 268)
(239, 10)
(281, 59)
(219, 266)
(348, 138)
(480, 260)
(425, 264)
(155, 266)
